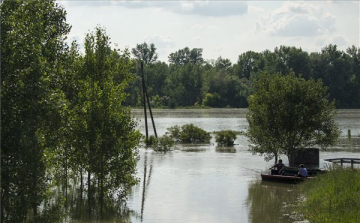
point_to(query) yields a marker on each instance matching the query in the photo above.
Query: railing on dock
(352, 161)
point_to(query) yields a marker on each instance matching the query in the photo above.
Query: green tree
(110, 133)
(32, 62)
(145, 53)
(183, 85)
(156, 74)
(334, 68)
(222, 63)
(287, 113)
(248, 63)
(184, 56)
(292, 58)
(354, 82)
(223, 89)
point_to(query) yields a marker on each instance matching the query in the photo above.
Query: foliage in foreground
(225, 138)
(189, 133)
(333, 197)
(32, 103)
(287, 113)
(62, 115)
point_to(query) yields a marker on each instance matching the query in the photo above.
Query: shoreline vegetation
(333, 196)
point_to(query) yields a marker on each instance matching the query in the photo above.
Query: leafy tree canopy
(184, 56)
(287, 113)
(145, 52)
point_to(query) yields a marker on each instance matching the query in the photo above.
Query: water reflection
(146, 183)
(272, 202)
(225, 149)
(196, 150)
(193, 147)
(115, 211)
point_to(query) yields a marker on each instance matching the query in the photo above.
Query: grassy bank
(333, 197)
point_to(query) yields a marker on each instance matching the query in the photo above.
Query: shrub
(151, 141)
(192, 134)
(225, 138)
(165, 143)
(174, 132)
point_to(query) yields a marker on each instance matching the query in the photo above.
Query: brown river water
(208, 183)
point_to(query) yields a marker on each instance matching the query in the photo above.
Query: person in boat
(302, 171)
(280, 168)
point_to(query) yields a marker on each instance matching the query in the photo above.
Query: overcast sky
(221, 28)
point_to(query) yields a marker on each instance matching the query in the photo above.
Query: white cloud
(215, 8)
(206, 27)
(297, 19)
(339, 40)
(254, 9)
(320, 42)
(160, 41)
(197, 38)
(201, 8)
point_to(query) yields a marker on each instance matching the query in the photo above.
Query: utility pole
(145, 95)
(144, 100)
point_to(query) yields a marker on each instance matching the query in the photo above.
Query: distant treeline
(190, 80)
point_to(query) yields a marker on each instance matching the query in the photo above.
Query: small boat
(283, 178)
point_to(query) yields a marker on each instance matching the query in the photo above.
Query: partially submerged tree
(287, 113)
(109, 131)
(225, 137)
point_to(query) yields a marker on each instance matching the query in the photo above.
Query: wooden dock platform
(352, 161)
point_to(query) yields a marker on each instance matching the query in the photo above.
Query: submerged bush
(192, 134)
(174, 132)
(151, 141)
(165, 143)
(333, 197)
(188, 133)
(225, 138)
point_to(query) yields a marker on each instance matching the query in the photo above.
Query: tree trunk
(4, 197)
(89, 193)
(81, 185)
(34, 206)
(66, 178)
(144, 100)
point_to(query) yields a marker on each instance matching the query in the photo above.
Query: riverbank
(333, 197)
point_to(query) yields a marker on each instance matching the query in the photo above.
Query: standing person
(302, 171)
(280, 168)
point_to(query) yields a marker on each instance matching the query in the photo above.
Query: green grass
(333, 197)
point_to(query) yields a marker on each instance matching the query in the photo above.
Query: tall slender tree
(110, 133)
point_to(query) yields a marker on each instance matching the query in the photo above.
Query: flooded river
(207, 183)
